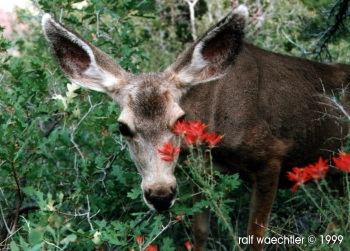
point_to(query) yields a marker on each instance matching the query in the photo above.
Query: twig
(342, 7)
(88, 213)
(3, 195)
(14, 172)
(5, 221)
(9, 236)
(19, 198)
(294, 43)
(340, 107)
(76, 168)
(191, 5)
(98, 23)
(104, 172)
(170, 223)
(52, 244)
(149, 212)
(75, 128)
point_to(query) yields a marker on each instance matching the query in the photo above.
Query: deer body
(269, 107)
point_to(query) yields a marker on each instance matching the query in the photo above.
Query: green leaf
(37, 247)
(38, 196)
(70, 238)
(168, 244)
(13, 246)
(135, 193)
(35, 236)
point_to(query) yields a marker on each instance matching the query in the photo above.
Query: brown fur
(149, 102)
(269, 109)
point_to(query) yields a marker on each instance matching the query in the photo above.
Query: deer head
(149, 102)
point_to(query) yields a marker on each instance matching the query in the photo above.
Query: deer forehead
(149, 98)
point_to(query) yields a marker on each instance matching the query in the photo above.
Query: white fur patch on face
(126, 117)
(175, 113)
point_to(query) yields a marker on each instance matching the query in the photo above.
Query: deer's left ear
(208, 58)
(82, 62)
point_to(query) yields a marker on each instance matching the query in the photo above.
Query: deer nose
(161, 199)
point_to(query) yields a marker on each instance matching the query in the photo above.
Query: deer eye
(124, 130)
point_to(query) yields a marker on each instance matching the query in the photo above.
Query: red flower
(169, 152)
(212, 139)
(313, 171)
(190, 139)
(151, 248)
(181, 127)
(194, 133)
(318, 170)
(342, 162)
(196, 128)
(299, 176)
(188, 245)
(139, 239)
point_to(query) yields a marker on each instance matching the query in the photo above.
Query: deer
(268, 106)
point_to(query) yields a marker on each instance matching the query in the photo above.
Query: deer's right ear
(82, 62)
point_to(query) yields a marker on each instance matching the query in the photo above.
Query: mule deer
(267, 105)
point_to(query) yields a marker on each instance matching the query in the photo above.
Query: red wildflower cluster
(317, 171)
(342, 162)
(151, 248)
(188, 245)
(139, 239)
(312, 171)
(169, 152)
(194, 133)
(299, 176)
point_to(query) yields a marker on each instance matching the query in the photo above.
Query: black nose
(160, 199)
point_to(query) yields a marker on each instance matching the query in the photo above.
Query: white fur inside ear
(198, 63)
(94, 77)
(242, 10)
(46, 17)
(47, 21)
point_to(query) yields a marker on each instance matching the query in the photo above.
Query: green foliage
(63, 165)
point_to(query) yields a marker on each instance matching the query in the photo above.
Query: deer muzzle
(161, 198)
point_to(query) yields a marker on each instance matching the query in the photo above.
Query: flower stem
(330, 204)
(348, 192)
(313, 201)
